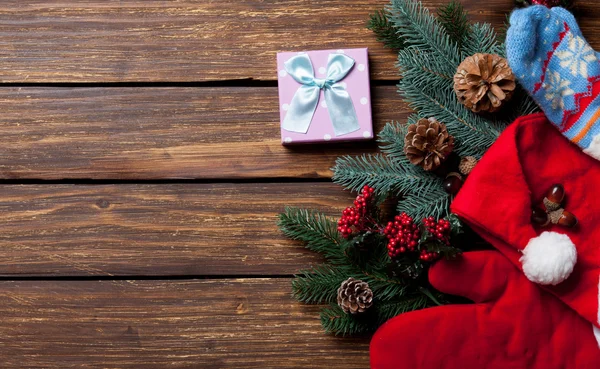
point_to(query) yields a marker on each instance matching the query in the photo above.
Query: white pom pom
(549, 258)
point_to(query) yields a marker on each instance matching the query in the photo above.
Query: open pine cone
(428, 143)
(483, 82)
(354, 296)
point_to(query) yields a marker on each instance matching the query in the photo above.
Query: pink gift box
(356, 83)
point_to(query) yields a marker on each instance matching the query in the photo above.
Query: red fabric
(496, 200)
(514, 324)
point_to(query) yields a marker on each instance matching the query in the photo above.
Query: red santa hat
(513, 177)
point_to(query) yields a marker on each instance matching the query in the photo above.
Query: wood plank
(191, 40)
(158, 229)
(158, 133)
(236, 323)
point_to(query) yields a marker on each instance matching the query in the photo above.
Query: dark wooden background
(141, 174)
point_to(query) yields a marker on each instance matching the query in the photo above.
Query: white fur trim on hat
(594, 149)
(549, 258)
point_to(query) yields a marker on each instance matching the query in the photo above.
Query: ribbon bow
(305, 100)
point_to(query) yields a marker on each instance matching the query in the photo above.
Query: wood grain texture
(159, 229)
(158, 133)
(188, 40)
(233, 323)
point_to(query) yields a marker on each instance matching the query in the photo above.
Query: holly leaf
(456, 225)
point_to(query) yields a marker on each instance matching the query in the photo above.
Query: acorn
(453, 183)
(563, 218)
(554, 197)
(539, 217)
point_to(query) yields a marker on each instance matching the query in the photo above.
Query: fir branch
(388, 310)
(453, 18)
(447, 252)
(427, 68)
(435, 203)
(420, 30)
(391, 138)
(383, 174)
(428, 88)
(476, 134)
(385, 31)
(482, 39)
(318, 285)
(319, 232)
(368, 251)
(335, 320)
(383, 287)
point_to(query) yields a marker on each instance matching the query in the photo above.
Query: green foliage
(318, 232)
(482, 39)
(422, 31)
(456, 225)
(453, 18)
(447, 252)
(385, 31)
(384, 174)
(433, 49)
(389, 310)
(435, 203)
(363, 257)
(336, 321)
(318, 285)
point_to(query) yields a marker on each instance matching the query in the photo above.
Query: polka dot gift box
(324, 95)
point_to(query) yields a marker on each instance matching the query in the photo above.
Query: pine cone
(428, 143)
(483, 82)
(467, 164)
(354, 296)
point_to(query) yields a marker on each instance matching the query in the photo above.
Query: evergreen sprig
(383, 174)
(363, 257)
(318, 285)
(433, 49)
(422, 31)
(385, 31)
(318, 232)
(336, 321)
(454, 19)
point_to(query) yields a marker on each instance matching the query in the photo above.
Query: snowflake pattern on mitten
(561, 71)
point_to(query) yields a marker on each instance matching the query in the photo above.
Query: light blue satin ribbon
(305, 100)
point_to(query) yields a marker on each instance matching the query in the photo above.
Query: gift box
(324, 95)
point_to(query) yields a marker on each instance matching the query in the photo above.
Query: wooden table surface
(141, 174)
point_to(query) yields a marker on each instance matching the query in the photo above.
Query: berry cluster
(439, 230)
(356, 218)
(403, 235)
(428, 255)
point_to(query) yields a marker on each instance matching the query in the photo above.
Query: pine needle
(385, 31)
(318, 232)
(318, 285)
(453, 18)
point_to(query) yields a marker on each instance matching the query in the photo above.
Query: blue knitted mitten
(559, 69)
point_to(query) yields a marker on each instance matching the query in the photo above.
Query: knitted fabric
(557, 66)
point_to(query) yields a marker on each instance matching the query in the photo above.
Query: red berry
(404, 235)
